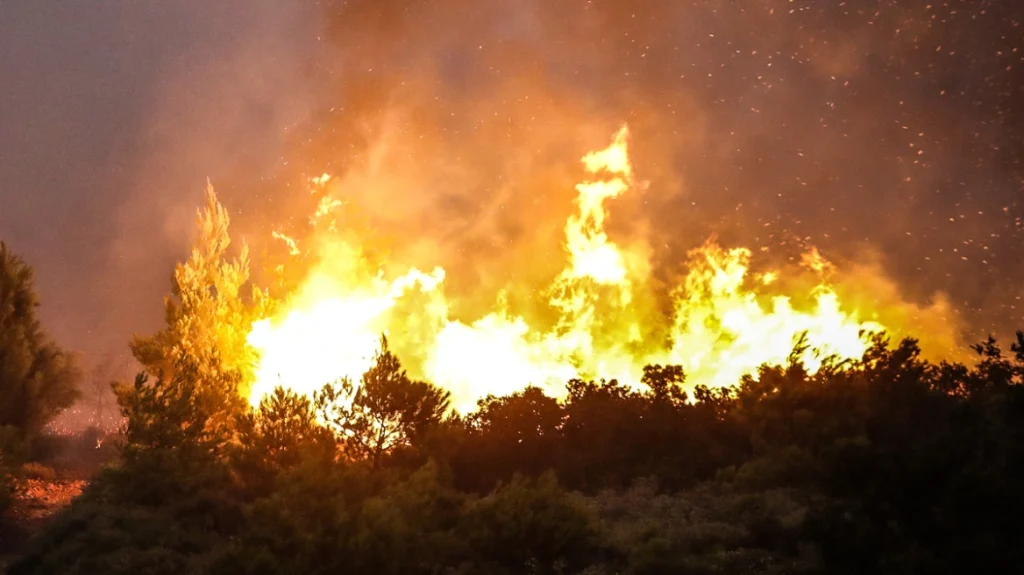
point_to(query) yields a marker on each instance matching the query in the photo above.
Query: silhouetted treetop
(38, 379)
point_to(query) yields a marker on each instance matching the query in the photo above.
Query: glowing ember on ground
(724, 322)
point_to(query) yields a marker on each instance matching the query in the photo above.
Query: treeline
(889, 464)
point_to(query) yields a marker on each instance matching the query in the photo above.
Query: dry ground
(37, 501)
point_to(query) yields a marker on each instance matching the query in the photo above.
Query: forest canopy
(886, 464)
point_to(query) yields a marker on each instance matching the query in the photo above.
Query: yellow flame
(813, 260)
(722, 324)
(293, 246)
(592, 255)
(332, 328)
(722, 331)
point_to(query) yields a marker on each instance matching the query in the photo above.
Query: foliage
(7, 485)
(709, 529)
(37, 378)
(188, 412)
(531, 527)
(886, 465)
(386, 411)
(277, 436)
(207, 318)
(519, 432)
(33, 470)
(108, 530)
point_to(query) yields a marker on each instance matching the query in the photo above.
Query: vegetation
(889, 464)
(7, 485)
(37, 378)
(206, 317)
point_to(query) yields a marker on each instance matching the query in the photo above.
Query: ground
(37, 501)
(41, 495)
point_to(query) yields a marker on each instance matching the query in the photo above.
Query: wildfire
(723, 320)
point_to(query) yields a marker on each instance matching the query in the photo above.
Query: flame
(332, 329)
(722, 331)
(723, 321)
(591, 254)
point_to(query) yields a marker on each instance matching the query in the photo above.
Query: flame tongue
(719, 329)
(591, 254)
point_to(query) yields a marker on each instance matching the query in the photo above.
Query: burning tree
(199, 364)
(207, 318)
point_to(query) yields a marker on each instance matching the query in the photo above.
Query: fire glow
(724, 321)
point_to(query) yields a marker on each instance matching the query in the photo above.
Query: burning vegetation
(599, 317)
(363, 393)
(741, 421)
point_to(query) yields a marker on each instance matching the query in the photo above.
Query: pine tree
(387, 410)
(37, 378)
(207, 322)
(207, 319)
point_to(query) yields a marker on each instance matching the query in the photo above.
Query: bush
(7, 487)
(532, 526)
(33, 470)
(871, 469)
(12, 447)
(708, 529)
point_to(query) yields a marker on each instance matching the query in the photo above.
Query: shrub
(33, 470)
(532, 526)
(12, 447)
(7, 486)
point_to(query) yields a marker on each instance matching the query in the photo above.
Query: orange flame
(721, 325)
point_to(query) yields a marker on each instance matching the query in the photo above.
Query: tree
(388, 409)
(665, 383)
(531, 526)
(37, 378)
(207, 319)
(279, 434)
(98, 389)
(517, 433)
(183, 412)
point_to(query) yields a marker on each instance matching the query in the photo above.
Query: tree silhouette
(186, 411)
(387, 410)
(517, 433)
(37, 378)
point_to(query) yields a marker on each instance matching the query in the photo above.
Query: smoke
(223, 109)
(114, 115)
(884, 136)
(453, 130)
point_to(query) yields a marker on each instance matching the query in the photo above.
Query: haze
(893, 139)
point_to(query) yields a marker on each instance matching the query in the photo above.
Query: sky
(113, 114)
(890, 135)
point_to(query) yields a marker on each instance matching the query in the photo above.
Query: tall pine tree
(207, 321)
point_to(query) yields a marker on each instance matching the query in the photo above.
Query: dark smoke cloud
(879, 131)
(454, 129)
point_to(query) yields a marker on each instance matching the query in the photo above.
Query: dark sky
(112, 115)
(880, 130)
